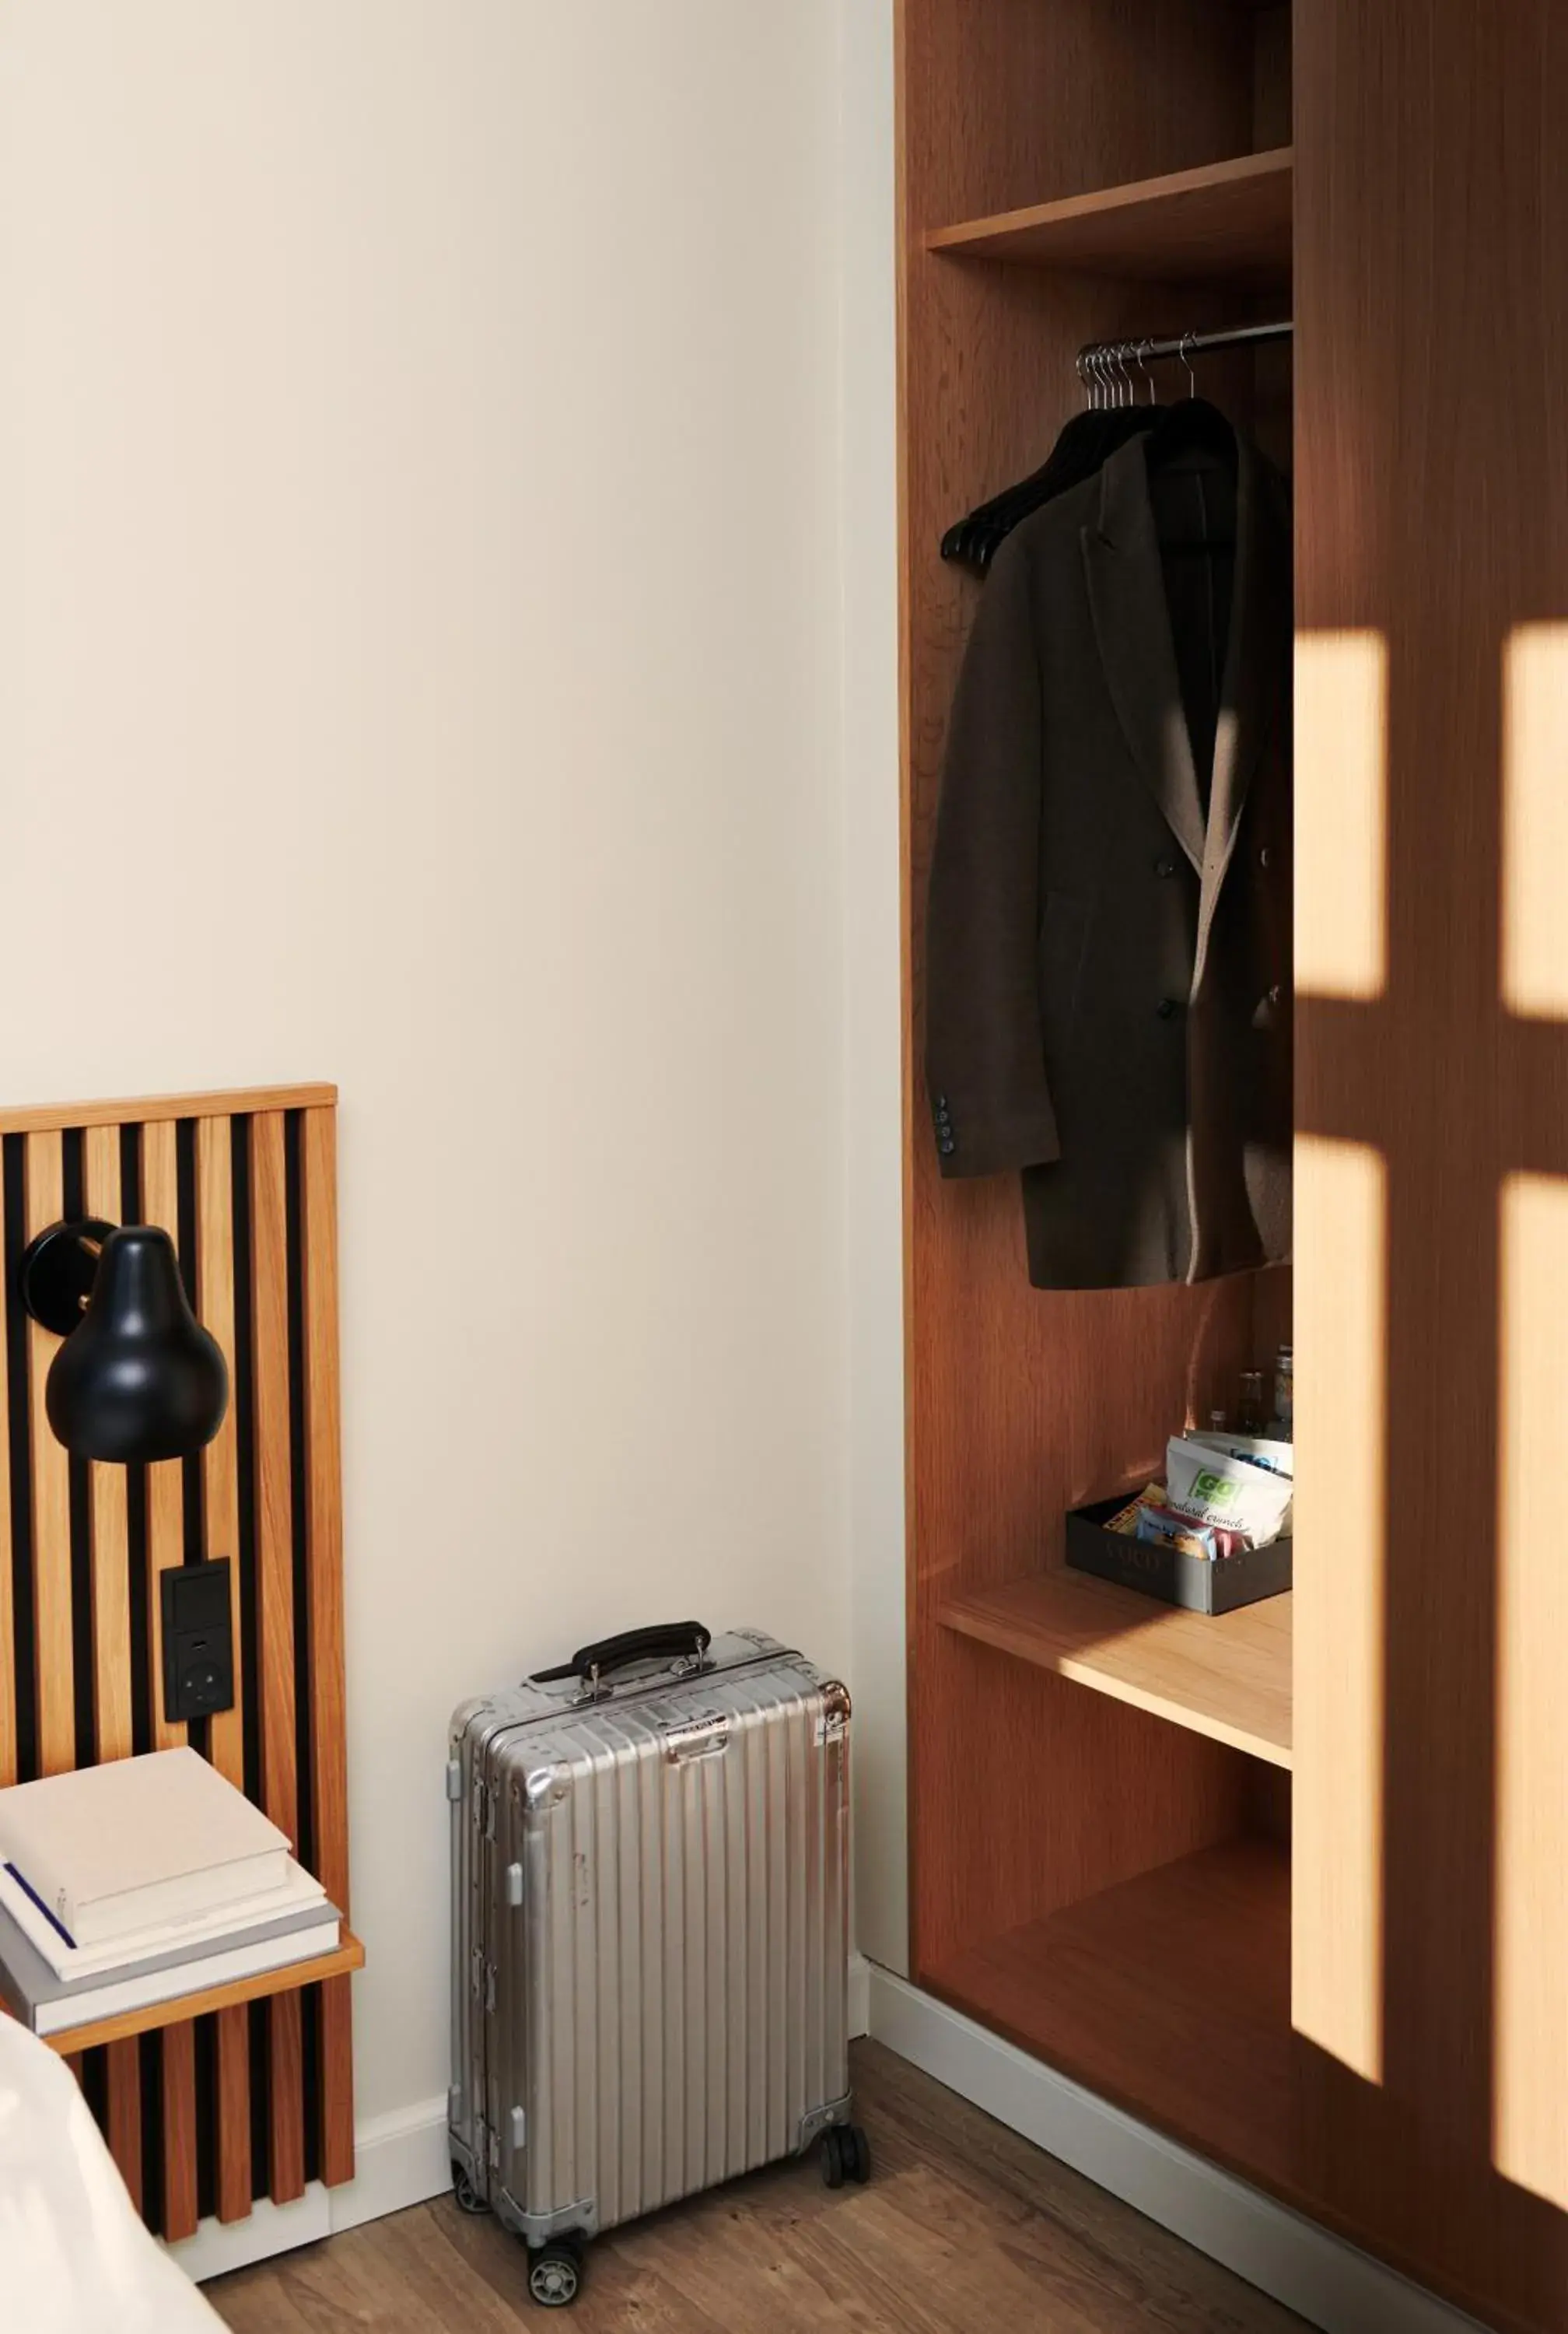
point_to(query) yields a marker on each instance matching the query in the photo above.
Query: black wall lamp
(138, 1378)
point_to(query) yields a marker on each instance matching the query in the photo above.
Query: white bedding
(74, 2257)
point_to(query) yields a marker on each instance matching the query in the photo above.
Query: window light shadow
(1341, 720)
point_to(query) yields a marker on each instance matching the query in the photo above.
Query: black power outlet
(197, 1640)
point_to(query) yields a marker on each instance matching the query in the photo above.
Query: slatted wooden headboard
(256, 2099)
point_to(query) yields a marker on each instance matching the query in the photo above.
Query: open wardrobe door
(1235, 527)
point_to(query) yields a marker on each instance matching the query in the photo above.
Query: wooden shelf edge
(1278, 162)
(349, 1956)
(1018, 1619)
(149, 1110)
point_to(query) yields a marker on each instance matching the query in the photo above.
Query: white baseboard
(1325, 2280)
(859, 1995)
(399, 2159)
(219, 2246)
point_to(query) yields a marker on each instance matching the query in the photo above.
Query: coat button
(1165, 866)
(1166, 1007)
(1264, 856)
(1274, 995)
(947, 1146)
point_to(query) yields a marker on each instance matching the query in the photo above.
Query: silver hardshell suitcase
(650, 1933)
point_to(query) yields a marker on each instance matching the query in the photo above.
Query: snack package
(1165, 1528)
(1125, 1519)
(1213, 1486)
(1260, 1450)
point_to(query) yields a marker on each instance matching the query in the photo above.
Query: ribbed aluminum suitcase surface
(651, 1933)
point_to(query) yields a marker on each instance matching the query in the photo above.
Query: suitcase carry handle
(686, 1640)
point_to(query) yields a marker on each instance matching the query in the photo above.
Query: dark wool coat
(1108, 943)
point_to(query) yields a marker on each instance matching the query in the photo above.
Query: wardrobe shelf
(349, 1956)
(1228, 222)
(1167, 1994)
(1225, 1675)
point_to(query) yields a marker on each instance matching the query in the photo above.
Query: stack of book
(132, 1884)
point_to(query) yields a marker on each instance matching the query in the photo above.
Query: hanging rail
(1101, 363)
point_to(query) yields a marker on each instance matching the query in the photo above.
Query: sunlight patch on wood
(1341, 757)
(1340, 1371)
(1530, 1920)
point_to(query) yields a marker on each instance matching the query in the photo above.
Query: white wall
(872, 1064)
(422, 584)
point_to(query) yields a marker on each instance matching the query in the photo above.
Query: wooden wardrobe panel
(997, 112)
(1432, 247)
(1021, 1402)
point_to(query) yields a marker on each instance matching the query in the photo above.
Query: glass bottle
(1251, 1411)
(1283, 1397)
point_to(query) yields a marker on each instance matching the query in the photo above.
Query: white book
(299, 1896)
(41, 2001)
(110, 1850)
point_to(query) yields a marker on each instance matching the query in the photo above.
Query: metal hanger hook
(1186, 361)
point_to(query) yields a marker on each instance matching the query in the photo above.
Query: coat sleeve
(985, 1056)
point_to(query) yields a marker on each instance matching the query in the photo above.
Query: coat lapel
(1252, 689)
(1132, 626)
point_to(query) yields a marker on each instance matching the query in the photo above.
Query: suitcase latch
(705, 1734)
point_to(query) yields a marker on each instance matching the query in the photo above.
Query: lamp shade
(139, 1378)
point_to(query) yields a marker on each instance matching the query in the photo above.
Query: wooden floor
(964, 2228)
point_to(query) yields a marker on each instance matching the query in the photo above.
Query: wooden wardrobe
(1358, 2001)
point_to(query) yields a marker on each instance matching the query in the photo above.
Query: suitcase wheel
(555, 2274)
(846, 2154)
(469, 2197)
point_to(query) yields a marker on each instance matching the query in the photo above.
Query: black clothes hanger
(1193, 464)
(1086, 443)
(1193, 428)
